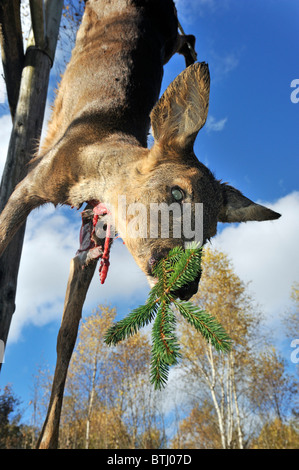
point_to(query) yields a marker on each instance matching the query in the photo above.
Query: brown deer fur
(95, 148)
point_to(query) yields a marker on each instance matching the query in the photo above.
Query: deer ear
(182, 110)
(238, 208)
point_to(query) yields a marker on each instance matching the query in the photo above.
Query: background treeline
(244, 399)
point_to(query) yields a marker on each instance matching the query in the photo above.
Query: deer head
(170, 174)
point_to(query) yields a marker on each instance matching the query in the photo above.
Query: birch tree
(109, 401)
(247, 398)
(274, 390)
(291, 317)
(216, 378)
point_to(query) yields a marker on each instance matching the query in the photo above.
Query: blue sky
(250, 140)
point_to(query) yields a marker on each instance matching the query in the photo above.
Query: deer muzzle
(183, 293)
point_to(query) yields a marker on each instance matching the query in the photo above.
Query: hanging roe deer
(95, 149)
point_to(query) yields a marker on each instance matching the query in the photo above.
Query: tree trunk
(26, 131)
(212, 385)
(229, 406)
(91, 400)
(239, 428)
(27, 125)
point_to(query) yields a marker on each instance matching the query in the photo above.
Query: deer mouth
(183, 293)
(187, 291)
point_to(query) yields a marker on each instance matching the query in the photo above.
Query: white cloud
(2, 85)
(222, 65)
(48, 247)
(51, 241)
(189, 9)
(227, 63)
(266, 255)
(213, 125)
(125, 280)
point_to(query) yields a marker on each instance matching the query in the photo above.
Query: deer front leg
(78, 283)
(14, 214)
(37, 188)
(52, 179)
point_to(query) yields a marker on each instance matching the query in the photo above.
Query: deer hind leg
(78, 284)
(186, 47)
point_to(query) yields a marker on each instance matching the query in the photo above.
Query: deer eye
(177, 194)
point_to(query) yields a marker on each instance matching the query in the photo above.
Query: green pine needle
(207, 325)
(179, 268)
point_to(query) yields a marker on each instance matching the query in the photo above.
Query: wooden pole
(27, 125)
(12, 52)
(38, 22)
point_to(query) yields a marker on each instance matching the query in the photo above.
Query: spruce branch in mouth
(179, 268)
